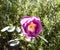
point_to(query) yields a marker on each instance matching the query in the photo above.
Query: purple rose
(31, 26)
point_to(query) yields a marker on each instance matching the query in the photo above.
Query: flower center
(31, 27)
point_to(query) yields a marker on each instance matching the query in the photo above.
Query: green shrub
(11, 12)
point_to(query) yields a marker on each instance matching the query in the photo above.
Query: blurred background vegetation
(49, 12)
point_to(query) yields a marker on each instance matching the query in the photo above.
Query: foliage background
(49, 12)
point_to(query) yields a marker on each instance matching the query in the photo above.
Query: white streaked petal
(4, 29)
(11, 29)
(24, 20)
(13, 42)
(18, 29)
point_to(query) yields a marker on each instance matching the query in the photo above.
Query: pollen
(31, 27)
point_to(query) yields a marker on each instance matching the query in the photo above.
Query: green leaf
(43, 39)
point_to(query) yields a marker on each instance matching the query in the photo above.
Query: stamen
(31, 27)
